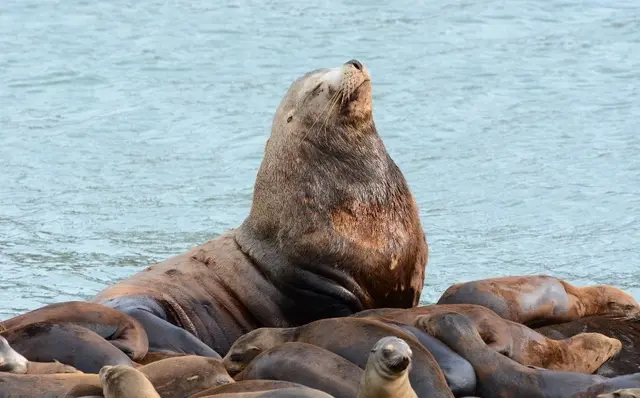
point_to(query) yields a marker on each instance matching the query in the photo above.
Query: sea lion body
(333, 229)
(626, 330)
(387, 372)
(67, 343)
(49, 385)
(583, 352)
(307, 365)
(122, 381)
(350, 338)
(497, 375)
(538, 300)
(186, 375)
(622, 393)
(289, 392)
(610, 385)
(121, 330)
(245, 386)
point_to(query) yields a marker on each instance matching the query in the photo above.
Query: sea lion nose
(356, 64)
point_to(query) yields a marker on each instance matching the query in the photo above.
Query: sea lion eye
(289, 119)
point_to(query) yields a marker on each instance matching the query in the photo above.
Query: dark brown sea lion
(307, 365)
(387, 372)
(333, 229)
(123, 381)
(70, 344)
(13, 362)
(537, 300)
(185, 376)
(627, 330)
(49, 385)
(350, 338)
(121, 330)
(246, 386)
(583, 352)
(499, 376)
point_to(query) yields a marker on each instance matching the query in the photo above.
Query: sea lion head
(333, 223)
(122, 381)
(10, 360)
(390, 357)
(252, 344)
(334, 97)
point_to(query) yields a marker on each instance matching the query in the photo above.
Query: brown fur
(307, 365)
(499, 376)
(49, 385)
(626, 330)
(582, 353)
(187, 375)
(333, 228)
(541, 299)
(123, 381)
(246, 386)
(121, 330)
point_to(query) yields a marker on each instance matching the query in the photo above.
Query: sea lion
(307, 365)
(538, 300)
(622, 393)
(583, 352)
(13, 362)
(186, 375)
(289, 392)
(350, 338)
(333, 229)
(49, 385)
(626, 330)
(387, 372)
(243, 386)
(457, 371)
(122, 381)
(610, 385)
(497, 375)
(121, 330)
(70, 344)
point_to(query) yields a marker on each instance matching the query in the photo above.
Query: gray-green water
(133, 130)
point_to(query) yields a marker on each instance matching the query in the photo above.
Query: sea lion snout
(356, 64)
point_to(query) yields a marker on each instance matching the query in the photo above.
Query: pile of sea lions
(316, 295)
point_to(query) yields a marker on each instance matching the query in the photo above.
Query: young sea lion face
(10, 360)
(328, 97)
(249, 346)
(391, 357)
(122, 381)
(623, 393)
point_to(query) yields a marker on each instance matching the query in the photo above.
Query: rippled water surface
(132, 130)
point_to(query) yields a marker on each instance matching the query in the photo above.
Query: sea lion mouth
(398, 365)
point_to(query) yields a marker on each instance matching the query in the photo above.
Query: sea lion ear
(253, 348)
(290, 116)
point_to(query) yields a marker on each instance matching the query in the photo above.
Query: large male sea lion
(583, 352)
(387, 372)
(333, 229)
(624, 329)
(119, 329)
(537, 300)
(350, 338)
(499, 376)
(123, 381)
(308, 365)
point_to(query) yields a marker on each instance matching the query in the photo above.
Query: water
(131, 131)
